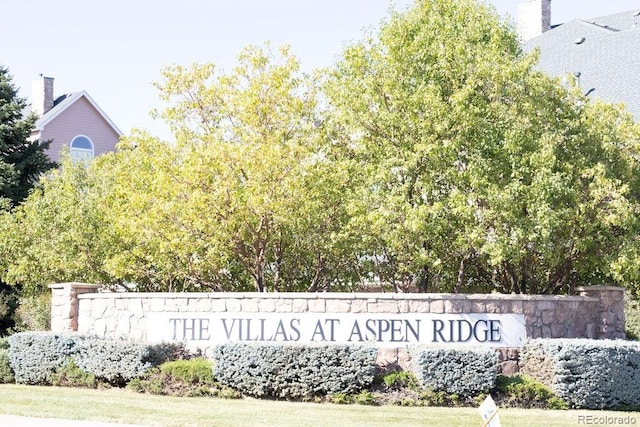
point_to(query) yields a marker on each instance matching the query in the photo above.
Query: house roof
(602, 53)
(65, 101)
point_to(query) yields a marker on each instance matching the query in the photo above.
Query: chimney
(534, 18)
(42, 95)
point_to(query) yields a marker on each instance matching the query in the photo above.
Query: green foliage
(632, 316)
(433, 156)
(592, 374)
(462, 371)
(59, 234)
(525, 392)
(245, 199)
(6, 373)
(365, 397)
(192, 371)
(294, 372)
(399, 380)
(479, 172)
(8, 305)
(70, 375)
(33, 313)
(191, 378)
(340, 398)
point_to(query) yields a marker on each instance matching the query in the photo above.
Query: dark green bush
(193, 371)
(294, 372)
(522, 391)
(70, 375)
(461, 371)
(191, 378)
(6, 373)
(399, 380)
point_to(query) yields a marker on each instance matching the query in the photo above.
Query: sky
(116, 49)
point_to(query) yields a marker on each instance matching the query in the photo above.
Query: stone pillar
(611, 321)
(64, 304)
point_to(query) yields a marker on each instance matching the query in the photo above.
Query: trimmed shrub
(292, 371)
(115, 361)
(36, 356)
(592, 374)
(463, 371)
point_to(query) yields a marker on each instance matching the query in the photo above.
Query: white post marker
(489, 412)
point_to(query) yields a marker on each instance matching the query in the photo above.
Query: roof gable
(68, 101)
(602, 53)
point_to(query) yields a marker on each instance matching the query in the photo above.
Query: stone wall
(597, 312)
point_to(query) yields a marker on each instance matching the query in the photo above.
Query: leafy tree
(479, 172)
(245, 198)
(22, 161)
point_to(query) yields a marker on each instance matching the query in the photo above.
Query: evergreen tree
(22, 161)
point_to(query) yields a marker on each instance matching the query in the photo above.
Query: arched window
(81, 149)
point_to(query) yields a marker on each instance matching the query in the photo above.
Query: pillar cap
(599, 288)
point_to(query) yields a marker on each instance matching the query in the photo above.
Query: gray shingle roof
(607, 60)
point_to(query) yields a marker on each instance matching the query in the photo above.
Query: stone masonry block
(383, 306)
(359, 306)
(250, 306)
(156, 305)
(203, 304)
(338, 306)
(437, 306)
(283, 306)
(419, 306)
(317, 306)
(218, 305)
(299, 306)
(267, 305)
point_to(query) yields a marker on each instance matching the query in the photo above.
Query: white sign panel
(489, 412)
(390, 330)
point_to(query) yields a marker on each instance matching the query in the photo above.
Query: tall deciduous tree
(244, 199)
(480, 172)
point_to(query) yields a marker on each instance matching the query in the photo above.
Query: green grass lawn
(124, 406)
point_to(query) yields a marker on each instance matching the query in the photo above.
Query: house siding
(79, 119)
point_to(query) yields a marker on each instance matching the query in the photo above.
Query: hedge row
(35, 356)
(463, 371)
(592, 374)
(291, 371)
